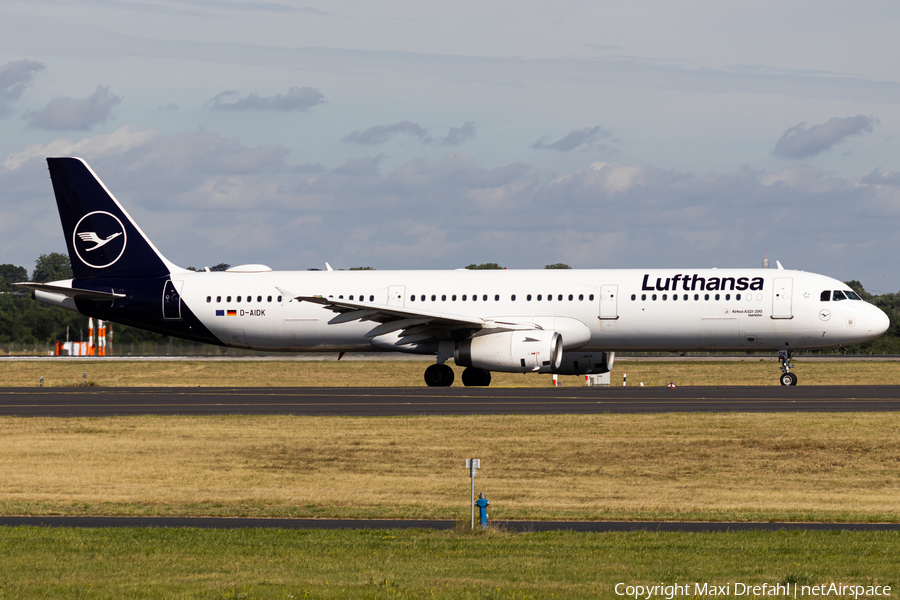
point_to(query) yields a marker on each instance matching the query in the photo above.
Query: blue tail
(103, 240)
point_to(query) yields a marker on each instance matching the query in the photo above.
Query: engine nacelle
(512, 351)
(583, 363)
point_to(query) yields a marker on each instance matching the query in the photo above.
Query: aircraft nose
(880, 321)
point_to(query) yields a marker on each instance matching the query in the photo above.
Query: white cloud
(14, 78)
(121, 140)
(299, 99)
(70, 114)
(802, 142)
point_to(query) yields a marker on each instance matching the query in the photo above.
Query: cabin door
(781, 298)
(171, 301)
(609, 302)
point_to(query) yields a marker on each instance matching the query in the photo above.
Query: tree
(484, 266)
(557, 266)
(10, 274)
(361, 269)
(51, 267)
(220, 267)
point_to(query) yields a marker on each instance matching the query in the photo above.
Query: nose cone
(880, 321)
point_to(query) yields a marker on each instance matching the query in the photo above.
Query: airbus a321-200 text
(570, 322)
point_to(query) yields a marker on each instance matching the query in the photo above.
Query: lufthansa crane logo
(99, 239)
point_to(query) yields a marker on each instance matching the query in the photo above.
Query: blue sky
(414, 136)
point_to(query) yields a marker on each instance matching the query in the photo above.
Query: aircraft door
(609, 302)
(781, 298)
(171, 301)
(395, 295)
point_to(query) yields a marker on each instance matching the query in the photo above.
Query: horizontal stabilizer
(71, 292)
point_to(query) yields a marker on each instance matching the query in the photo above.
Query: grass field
(191, 563)
(410, 373)
(797, 467)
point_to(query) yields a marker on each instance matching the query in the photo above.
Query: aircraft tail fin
(103, 240)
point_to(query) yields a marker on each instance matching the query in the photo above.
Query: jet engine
(583, 363)
(512, 351)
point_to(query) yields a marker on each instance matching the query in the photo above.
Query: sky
(415, 135)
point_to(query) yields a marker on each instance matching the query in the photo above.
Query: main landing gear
(442, 376)
(787, 378)
(439, 376)
(477, 377)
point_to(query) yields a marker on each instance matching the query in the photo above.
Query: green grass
(192, 563)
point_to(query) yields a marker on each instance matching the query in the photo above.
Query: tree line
(26, 321)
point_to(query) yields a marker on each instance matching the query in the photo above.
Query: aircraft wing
(417, 325)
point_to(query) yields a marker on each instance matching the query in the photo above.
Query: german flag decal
(232, 313)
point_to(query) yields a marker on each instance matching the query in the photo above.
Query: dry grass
(698, 466)
(409, 373)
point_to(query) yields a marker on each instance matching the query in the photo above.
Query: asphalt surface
(87, 402)
(519, 526)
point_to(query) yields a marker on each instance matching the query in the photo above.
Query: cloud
(204, 199)
(14, 78)
(297, 99)
(802, 142)
(171, 107)
(577, 138)
(458, 135)
(69, 114)
(379, 134)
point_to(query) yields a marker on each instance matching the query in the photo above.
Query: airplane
(568, 322)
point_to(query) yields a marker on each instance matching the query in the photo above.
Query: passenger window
(218, 298)
(528, 297)
(717, 296)
(474, 297)
(433, 297)
(496, 297)
(371, 297)
(549, 297)
(696, 296)
(581, 297)
(570, 297)
(269, 299)
(279, 298)
(423, 298)
(560, 298)
(674, 297)
(412, 298)
(539, 297)
(484, 297)
(706, 296)
(464, 298)
(513, 298)
(453, 297)
(665, 297)
(591, 297)
(259, 299)
(653, 296)
(728, 296)
(209, 298)
(350, 298)
(685, 297)
(643, 296)
(825, 296)
(443, 297)
(238, 298)
(838, 295)
(737, 296)
(634, 296)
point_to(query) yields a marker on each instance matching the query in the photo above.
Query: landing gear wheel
(788, 379)
(476, 377)
(439, 376)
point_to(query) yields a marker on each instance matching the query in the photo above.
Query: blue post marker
(482, 503)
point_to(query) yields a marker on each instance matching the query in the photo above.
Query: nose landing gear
(787, 378)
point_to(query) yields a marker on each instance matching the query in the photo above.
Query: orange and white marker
(555, 380)
(101, 338)
(90, 342)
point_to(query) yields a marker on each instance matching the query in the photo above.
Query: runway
(95, 402)
(378, 524)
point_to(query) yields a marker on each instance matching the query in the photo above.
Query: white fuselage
(594, 310)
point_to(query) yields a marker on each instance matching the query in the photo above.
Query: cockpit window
(838, 295)
(852, 295)
(825, 296)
